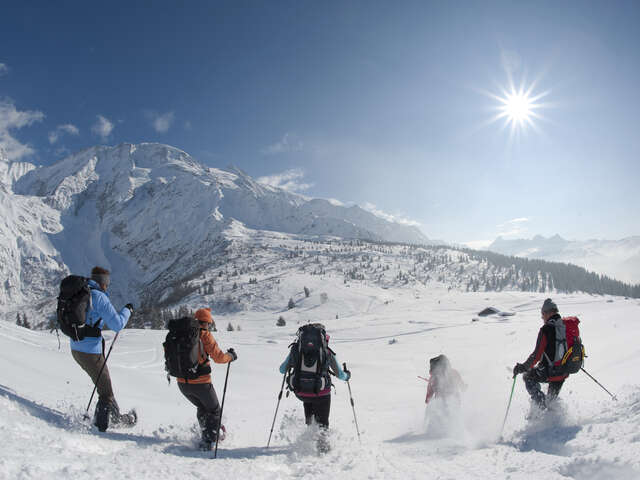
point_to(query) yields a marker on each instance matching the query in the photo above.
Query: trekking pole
(344, 365)
(613, 397)
(86, 413)
(425, 379)
(508, 405)
(224, 393)
(277, 406)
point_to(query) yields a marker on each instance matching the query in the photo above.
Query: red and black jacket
(545, 350)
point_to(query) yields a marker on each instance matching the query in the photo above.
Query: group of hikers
(84, 310)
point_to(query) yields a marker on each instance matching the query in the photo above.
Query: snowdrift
(43, 395)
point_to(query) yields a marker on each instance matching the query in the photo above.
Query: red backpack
(569, 348)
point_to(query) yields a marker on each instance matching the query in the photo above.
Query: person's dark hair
(100, 275)
(100, 271)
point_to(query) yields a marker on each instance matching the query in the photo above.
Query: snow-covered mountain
(152, 214)
(619, 259)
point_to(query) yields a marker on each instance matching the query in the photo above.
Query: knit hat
(549, 306)
(204, 315)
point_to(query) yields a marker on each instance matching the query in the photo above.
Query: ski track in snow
(43, 396)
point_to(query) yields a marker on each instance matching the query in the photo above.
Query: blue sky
(384, 104)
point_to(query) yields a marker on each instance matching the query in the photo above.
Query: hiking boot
(101, 418)
(205, 445)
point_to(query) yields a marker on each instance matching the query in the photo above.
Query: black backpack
(309, 360)
(74, 302)
(182, 348)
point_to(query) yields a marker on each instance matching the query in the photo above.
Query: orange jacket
(212, 349)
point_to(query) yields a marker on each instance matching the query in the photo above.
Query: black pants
(317, 409)
(204, 397)
(532, 380)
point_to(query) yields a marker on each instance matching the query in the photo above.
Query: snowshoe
(128, 420)
(323, 444)
(209, 441)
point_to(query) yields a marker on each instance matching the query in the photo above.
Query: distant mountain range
(618, 259)
(152, 214)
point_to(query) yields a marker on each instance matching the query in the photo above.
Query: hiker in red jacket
(538, 367)
(444, 382)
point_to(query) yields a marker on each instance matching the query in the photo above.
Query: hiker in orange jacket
(200, 391)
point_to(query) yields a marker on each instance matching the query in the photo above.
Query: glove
(519, 368)
(233, 354)
(130, 307)
(348, 373)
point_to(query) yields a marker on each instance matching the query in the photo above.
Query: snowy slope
(150, 213)
(43, 394)
(618, 259)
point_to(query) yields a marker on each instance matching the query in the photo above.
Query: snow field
(43, 395)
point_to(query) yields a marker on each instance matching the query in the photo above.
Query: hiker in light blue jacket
(89, 352)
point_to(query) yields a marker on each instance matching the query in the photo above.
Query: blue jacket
(333, 363)
(103, 315)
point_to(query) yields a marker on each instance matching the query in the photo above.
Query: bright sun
(518, 107)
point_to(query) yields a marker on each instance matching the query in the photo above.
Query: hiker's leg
(532, 380)
(92, 364)
(322, 409)
(554, 390)
(204, 397)
(308, 412)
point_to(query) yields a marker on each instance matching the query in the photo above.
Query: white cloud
(478, 244)
(513, 227)
(68, 128)
(11, 119)
(288, 143)
(162, 122)
(103, 127)
(3, 69)
(289, 180)
(401, 219)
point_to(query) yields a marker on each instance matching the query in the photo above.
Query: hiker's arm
(285, 365)
(541, 345)
(337, 370)
(430, 390)
(110, 317)
(213, 350)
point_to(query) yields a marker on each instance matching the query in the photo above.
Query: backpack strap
(92, 330)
